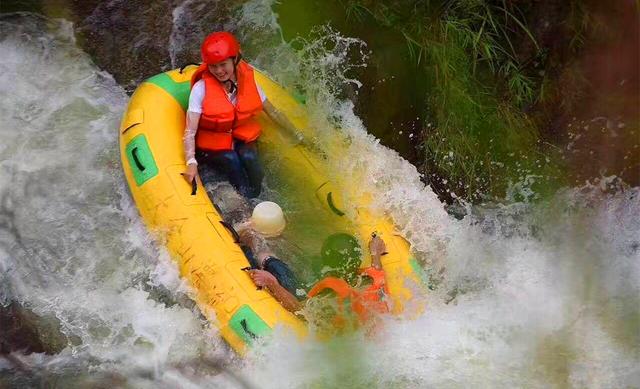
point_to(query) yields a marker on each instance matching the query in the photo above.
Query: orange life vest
(364, 302)
(221, 121)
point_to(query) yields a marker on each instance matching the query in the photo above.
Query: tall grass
(476, 137)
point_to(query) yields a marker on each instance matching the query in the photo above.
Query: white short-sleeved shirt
(197, 96)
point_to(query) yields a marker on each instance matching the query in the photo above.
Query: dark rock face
(24, 331)
(591, 107)
(129, 39)
(134, 40)
(191, 22)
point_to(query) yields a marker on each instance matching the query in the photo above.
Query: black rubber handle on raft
(130, 127)
(251, 268)
(134, 154)
(194, 187)
(333, 206)
(236, 237)
(245, 327)
(253, 262)
(251, 258)
(185, 66)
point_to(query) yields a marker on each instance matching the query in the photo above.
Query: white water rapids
(544, 295)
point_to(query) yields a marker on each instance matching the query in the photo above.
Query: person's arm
(189, 140)
(265, 279)
(252, 239)
(194, 110)
(378, 248)
(282, 120)
(262, 277)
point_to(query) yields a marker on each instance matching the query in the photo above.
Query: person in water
(221, 127)
(339, 265)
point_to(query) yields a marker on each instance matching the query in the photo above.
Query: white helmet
(268, 219)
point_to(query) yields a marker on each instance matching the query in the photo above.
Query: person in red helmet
(221, 126)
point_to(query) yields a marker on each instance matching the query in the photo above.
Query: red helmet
(219, 46)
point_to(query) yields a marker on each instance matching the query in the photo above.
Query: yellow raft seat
(190, 226)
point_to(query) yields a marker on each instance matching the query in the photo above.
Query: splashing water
(321, 69)
(71, 244)
(531, 295)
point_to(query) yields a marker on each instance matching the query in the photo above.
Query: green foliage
(477, 136)
(484, 29)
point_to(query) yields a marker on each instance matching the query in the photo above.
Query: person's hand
(377, 246)
(190, 173)
(244, 227)
(263, 278)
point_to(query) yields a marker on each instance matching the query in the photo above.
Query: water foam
(517, 302)
(532, 295)
(72, 245)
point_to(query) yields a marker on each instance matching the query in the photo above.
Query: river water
(525, 295)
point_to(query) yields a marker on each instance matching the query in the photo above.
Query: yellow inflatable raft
(190, 225)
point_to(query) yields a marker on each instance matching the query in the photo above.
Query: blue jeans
(283, 274)
(241, 166)
(280, 270)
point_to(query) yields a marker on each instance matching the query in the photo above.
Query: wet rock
(24, 331)
(129, 39)
(134, 40)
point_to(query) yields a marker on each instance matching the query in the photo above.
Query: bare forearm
(189, 139)
(289, 301)
(375, 261)
(280, 118)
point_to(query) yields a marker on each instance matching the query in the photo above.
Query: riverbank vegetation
(477, 140)
(490, 99)
(508, 84)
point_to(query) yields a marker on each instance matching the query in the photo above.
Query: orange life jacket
(221, 121)
(364, 302)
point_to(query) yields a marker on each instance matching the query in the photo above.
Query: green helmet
(340, 257)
